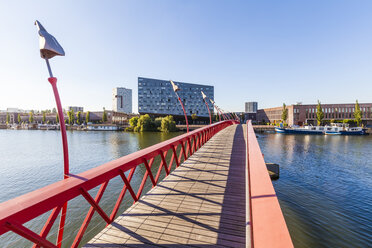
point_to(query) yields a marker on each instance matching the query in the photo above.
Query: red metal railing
(267, 225)
(16, 212)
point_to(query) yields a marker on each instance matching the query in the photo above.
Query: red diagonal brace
(126, 182)
(144, 179)
(89, 216)
(149, 172)
(28, 234)
(121, 195)
(164, 162)
(175, 156)
(93, 203)
(48, 224)
(183, 151)
(189, 145)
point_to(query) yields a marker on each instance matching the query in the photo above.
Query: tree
(104, 115)
(7, 118)
(19, 118)
(133, 121)
(168, 124)
(44, 117)
(54, 110)
(133, 124)
(71, 117)
(31, 117)
(319, 113)
(284, 113)
(78, 117)
(193, 117)
(57, 118)
(357, 114)
(87, 117)
(144, 123)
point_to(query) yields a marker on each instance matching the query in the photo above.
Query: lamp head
(49, 46)
(211, 101)
(204, 96)
(175, 87)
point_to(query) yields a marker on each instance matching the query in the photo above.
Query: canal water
(325, 184)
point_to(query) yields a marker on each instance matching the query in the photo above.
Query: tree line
(145, 123)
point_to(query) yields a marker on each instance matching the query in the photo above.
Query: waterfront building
(251, 107)
(75, 108)
(156, 97)
(299, 114)
(122, 100)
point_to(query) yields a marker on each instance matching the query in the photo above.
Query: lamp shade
(49, 46)
(175, 87)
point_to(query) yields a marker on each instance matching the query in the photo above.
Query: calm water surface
(325, 185)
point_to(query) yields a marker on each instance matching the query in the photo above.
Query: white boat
(343, 129)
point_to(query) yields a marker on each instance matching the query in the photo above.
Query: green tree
(144, 124)
(57, 119)
(44, 117)
(168, 124)
(54, 110)
(284, 113)
(104, 115)
(194, 117)
(133, 121)
(87, 117)
(357, 114)
(19, 118)
(31, 117)
(71, 117)
(7, 118)
(133, 124)
(157, 123)
(319, 114)
(78, 117)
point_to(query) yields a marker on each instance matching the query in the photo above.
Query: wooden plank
(201, 203)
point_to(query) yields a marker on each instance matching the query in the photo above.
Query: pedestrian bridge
(216, 193)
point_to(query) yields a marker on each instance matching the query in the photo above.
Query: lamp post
(206, 104)
(49, 47)
(175, 89)
(219, 115)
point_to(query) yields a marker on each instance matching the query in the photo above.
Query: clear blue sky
(266, 51)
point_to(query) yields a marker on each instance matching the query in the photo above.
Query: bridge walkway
(200, 204)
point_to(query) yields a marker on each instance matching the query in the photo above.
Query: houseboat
(301, 130)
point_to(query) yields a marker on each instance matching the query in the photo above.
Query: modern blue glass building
(157, 97)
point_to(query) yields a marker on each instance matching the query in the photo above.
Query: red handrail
(15, 212)
(267, 224)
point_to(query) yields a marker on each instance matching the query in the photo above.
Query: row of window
(337, 115)
(336, 110)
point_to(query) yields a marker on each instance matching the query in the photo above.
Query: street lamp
(206, 104)
(219, 115)
(175, 89)
(49, 47)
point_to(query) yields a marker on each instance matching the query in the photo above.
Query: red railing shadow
(18, 211)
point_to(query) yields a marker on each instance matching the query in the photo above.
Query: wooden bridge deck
(200, 204)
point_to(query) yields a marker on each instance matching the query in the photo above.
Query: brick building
(299, 114)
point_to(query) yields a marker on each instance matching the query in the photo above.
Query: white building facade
(122, 100)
